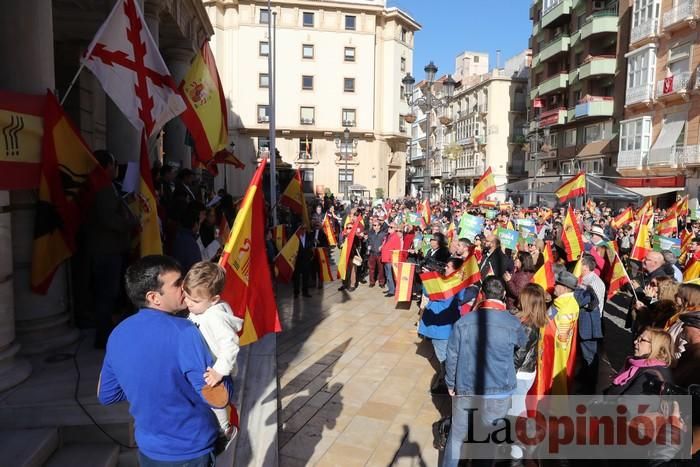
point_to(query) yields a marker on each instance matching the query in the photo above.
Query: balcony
(632, 160)
(600, 22)
(637, 94)
(663, 159)
(686, 11)
(552, 84)
(476, 171)
(597, 66)
(552, 48)
(676, 84)
(643, 31)
(594, 106)
(555, 11)
(553, 117)
(534, 92)
(688, 155)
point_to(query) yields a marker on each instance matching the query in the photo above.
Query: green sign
(509, 238)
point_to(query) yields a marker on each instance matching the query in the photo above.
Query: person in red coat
(394, 242)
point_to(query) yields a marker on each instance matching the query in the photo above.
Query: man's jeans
(207, 460)
(482, 413)
(389, 273)
(440, 348)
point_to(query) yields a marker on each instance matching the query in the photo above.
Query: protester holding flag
(392, 252)
(375, 242)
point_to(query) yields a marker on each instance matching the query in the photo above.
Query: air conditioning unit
(598, 5)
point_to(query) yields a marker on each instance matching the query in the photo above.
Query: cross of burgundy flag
(125, 59)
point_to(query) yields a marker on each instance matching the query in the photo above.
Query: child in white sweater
(203, 285)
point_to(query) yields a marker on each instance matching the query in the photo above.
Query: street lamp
(346, 148)
(429, 102)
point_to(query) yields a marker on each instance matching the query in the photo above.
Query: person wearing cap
(564, 312)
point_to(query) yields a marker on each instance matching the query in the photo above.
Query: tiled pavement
(354, 380)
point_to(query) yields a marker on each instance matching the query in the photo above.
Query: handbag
(357, 259)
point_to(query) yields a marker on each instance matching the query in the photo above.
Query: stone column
(176, 151)
(41, 322)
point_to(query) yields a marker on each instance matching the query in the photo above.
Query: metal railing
(673, 84)
(642, 93)
(633, 159)
(642, 31)
(686, 9)
(688, 154)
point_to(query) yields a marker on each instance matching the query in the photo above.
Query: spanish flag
(427, 212)
(679, 208)
(590, 206)
(324, 265)
(545, 214)
(644, 213)
(574, 187)
(439, 287)
(484, 187)
(286, 259)
(21, 120)
(618, 276)
(150, 243)
(642, 244)
(346, 252)
(227, 157)
(69, 179)
(692, 270)
(279, 235)
(667, 226)
(404, 273)
(487, 203)
(686, 238)
(625, 217)
(248, 286)
(571, 236)
(544, 277)
(399, 256)
(328, 230)
(293, 198)
(206, 115)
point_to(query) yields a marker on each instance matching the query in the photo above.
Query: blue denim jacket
(480, 353)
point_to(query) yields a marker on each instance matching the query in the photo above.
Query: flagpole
(271, 59)
(72, 83)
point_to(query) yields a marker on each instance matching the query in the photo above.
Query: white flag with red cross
(125, 59)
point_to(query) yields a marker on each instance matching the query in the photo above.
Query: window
(346, 178)
(307, 180)
(644, 11)
(402, 124)
(476, 59)
(403, 64)
(641, 68)
(263, 80)
(597, 132)
(349, 84)
(349, 54)
(350, 22)
(263, 48)
(263, 145)
(264, 16)
(570, 138)
(594, 166)
(635, 135)
(404, 34)
(308, 19)
(263, 113)
(306, 146)
(679, 59)
(402, 92)
(307, 51)
(567, 168)
(551, 140)
(306, 115)
(348, 117)
(307, 82)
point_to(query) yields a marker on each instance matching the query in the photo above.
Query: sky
(453, 26)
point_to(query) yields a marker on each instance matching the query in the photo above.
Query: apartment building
(660, 131)
(576, 91)
(339, 65)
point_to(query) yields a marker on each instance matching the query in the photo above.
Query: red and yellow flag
(427, 212)
(279, 235)
(679, 208)
(328, 230)
(69, 179)
(574, 187)
(149, 241)
(324, 265)
(399, 256)
(686, 238)
(346, 252)
(293, 198)
(590, 206)
(644, 213)
(248, 286)
(439, 287)
(544, 277)
(206, 115)
(642, 244)
(618, 277)
(545, 214)
(21, 120)
(227, 157)
(692, 270)
(484, 187)
(571, 236)
(404, 273)
(625, 217)
(286, 259)
(667, 226)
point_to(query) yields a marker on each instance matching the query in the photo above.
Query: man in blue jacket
(480, 373)
(156, 361)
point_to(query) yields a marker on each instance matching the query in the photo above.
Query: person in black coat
(494, 257)
(303, 265)
(438, 254)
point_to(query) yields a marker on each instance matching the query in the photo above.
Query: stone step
(121, 432)
(28, 448)
(128, 458)
(92, 454)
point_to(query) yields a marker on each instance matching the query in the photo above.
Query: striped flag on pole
(404, 281)
(324, 264)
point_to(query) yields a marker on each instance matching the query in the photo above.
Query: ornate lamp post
(346, 148)
(428, 103)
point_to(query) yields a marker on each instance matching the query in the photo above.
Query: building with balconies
(659, 132)
(576, 90)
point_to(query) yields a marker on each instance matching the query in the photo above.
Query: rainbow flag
(571, 236)
(439, 287)
(324, 264)
(574, 187)
(404, 273)
(484, 187)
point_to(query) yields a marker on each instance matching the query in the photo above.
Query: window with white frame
(349, 54)
(644, 11)
(592, 166)
(263, 80)
(566, 168)
(348, 117)
(263, 48)
(263, 113)
(263, 144)
(570, 138)
(345, 179)
(679, 59)
(306, 146)
(551, 140)
(307, 51)
(549, 4)
(306, 115)
(597, 132)
(635, 135)
(264, 16)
